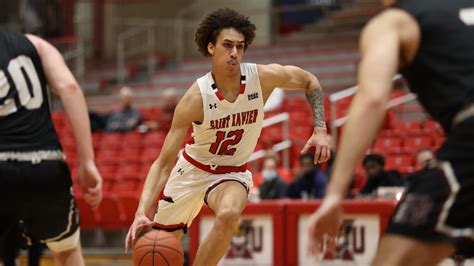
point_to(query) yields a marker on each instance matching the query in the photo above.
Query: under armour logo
(214, 105)
(181, 171)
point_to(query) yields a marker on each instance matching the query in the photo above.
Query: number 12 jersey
(230, 131)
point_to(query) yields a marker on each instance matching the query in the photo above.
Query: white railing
(284, 145)
(77, 56)
(335, 122)
(145, 36)
(175, 36)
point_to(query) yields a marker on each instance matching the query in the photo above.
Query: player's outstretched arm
(292, 77)
(188, 110)
(380, 45)
(63, 83)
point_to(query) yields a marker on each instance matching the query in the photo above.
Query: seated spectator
(126, 118)
(374, 166)
(272, 186)
(169, 99)
(310, 182)
(424, 157)
(97, 120)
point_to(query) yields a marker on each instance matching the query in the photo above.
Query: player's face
(228, 51)
(373, 169)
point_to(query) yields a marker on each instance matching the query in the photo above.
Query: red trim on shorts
(220, 182)
(219, 169)
(166, 198)
(171, 227)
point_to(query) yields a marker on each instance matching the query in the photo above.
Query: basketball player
(432, 43)
(225, 108)
(35, 182)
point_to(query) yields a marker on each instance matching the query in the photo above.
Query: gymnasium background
(148, 46)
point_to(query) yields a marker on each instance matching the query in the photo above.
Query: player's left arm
(292, 78)
(62, 82)
(383, 48)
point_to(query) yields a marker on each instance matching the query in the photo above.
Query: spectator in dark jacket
(310, 183)
(374, 165)
(127, 118)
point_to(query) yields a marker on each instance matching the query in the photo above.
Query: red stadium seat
(301, 132)
(397, 161)
(431, 126)
(128, 170)
(150, 154)
(257, 179)
(89, 219)
(120, 186)
(154, 139)
(388, 145)
(132, 140)
(130, 155)
(111, 141)
(129, 202)
(414, 144)
(112, 213)
(285, 174)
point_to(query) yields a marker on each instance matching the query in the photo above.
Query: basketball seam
(152, 239)
(170, 248)
(154, 245)
(153, 257)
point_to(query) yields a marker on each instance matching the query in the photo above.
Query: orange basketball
(157, 248)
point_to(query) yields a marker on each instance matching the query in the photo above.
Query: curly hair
(222, 18)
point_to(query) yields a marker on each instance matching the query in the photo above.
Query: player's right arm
(62, 82)
(188, 110)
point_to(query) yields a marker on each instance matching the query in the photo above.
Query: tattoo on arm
(316, 100)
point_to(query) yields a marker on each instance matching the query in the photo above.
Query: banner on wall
(356, 244)
(252, 243)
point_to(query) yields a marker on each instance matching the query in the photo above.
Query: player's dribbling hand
(320, 140)
(324, 225)
(141, 222)
(90, 182)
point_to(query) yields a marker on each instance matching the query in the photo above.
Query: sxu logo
(253, 96)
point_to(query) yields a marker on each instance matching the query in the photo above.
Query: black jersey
(25, 119)
(442, 73)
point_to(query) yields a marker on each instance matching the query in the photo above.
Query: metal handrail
(150, 48)
(281, 146)
(77, 54)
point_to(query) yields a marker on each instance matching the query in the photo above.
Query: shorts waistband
(34, 157)
(214, 169)
(464, 114)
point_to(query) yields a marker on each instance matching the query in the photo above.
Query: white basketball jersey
(229, 131)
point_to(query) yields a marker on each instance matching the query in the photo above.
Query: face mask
(269, 174)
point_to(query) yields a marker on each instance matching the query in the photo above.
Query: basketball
(157, 248)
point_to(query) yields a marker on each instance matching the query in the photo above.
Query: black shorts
(39, 198)
(438, 206)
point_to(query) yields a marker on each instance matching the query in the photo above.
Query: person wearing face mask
(272, 186)
(311, 182)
